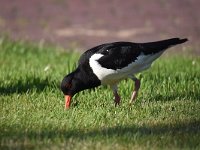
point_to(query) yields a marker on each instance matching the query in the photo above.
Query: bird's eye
(68, 85)
(105, 52)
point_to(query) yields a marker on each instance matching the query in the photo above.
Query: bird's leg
(116, 95)
(135, 92)
(117, 98)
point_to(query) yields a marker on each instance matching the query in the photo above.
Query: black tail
(154, 47)
(170, 42)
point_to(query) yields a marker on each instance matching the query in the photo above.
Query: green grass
(166, 114)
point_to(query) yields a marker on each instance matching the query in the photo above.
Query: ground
(84, 24)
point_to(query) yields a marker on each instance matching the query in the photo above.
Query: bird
(110, 63)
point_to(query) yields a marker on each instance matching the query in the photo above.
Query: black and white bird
(109, 63)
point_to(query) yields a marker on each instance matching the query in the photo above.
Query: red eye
(69, 85)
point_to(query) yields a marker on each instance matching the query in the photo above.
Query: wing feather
(119, 57)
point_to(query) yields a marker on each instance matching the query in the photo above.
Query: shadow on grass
(174, 96)
(183, 133)
(24, 85)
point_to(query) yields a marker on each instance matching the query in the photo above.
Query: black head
(71, 85)
(79, 80)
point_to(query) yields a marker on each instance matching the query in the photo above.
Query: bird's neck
(87, 77)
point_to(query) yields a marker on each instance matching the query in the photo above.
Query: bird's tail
(173, 41)
(162, 45)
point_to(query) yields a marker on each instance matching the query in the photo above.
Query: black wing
(86, 55)
(118, 55)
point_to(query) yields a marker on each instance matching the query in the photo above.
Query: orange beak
(67, 101)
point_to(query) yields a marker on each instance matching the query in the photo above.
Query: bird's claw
(117, 103)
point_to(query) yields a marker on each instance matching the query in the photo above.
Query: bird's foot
(135, 92)
(133, 97)
(117, 99)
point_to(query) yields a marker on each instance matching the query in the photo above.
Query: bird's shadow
(24, 85)
(120, 133)
(175, 95)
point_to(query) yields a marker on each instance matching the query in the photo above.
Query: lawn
(166, 114)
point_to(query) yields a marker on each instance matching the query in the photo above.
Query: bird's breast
(97, 69)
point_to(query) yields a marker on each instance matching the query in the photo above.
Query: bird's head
(70, 85)
(82, 78)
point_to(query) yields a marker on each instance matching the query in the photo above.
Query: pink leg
(116, 95)
(117, 98)
(135, 92)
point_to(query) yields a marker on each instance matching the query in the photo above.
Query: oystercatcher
(109, 63)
